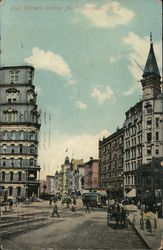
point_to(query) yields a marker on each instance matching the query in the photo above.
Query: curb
(140, 235)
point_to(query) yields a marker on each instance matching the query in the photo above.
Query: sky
(86, 77)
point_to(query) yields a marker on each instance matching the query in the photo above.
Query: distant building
(19, 128)
(111, 164)
(91, 174)
(50, 184)
(42, 183)
(81, 178)
(56, 182)
(78, 172)
(60, 182)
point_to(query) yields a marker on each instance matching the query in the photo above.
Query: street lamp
(147, 194)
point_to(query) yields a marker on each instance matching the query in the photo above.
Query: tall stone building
(19, 127)
(132, 147)
(111, 164)
(143, 139)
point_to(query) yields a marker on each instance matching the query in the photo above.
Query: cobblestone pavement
(76, 231)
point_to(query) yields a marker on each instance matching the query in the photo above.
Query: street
(75, 230)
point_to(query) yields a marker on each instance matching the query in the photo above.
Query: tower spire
(150, 37)
(151, 67)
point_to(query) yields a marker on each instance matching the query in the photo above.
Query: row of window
(129, 180)
(149, 151)
(10, 191)
(133, 130)
(17, 162)
(132, 166)
(19, 135)
(15, 116)
(14, 76)
(11, 176)
(15, 97)
(149, 137)
(149, 122)
(19, 149)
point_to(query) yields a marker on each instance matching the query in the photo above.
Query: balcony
(36, 124)
(36, 167)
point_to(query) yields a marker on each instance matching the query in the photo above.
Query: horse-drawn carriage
(117, 214)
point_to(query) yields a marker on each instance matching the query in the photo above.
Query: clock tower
(151, 110)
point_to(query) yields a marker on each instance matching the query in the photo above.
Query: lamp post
(148, 201)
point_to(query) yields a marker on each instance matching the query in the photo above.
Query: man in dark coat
(55, 210)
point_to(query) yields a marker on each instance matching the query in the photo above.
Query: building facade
(81, 178)
(111, 164)
(91, 174)
(143, 142)
(132, 147)
(19, 127)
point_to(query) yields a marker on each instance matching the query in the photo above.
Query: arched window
(3, 176)
(10, 191)
(13, 135)
(12, 95)
(18, 191)
(5, 135)
(32, 149)
(12, 162)
(4, 162)
(4, 149)
(19, 176)
(12, 148)
(31, 162)
(21, 135)
(21, 148)
(11, 176)
(20, 162)
(10, 115)
(31, 96)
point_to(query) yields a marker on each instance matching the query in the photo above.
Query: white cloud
(41, 59)
(138, 51)
(101, 97)
(107, 16)
(133, 88)
(79, 147)
(81, 105)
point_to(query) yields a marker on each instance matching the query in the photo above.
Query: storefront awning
(131, 193)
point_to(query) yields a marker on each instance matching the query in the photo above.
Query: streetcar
(95, 199)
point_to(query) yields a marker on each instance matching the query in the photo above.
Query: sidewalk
(152, 239)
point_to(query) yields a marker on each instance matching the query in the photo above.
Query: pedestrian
(87, 208)
(74, 201)
(50, 202)
(68, 202)
(55, 210)
(10, 204)
(15, 202)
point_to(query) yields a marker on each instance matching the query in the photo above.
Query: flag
(66, 150)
